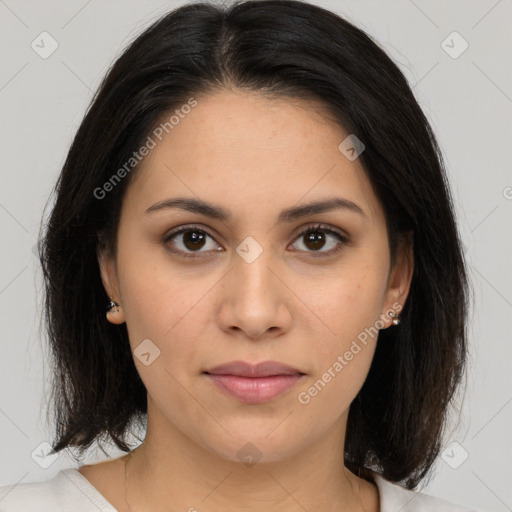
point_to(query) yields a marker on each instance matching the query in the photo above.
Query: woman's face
(249, 287)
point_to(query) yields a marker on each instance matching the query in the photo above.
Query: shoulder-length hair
(287, 49)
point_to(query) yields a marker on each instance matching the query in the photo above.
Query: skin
(253, 156)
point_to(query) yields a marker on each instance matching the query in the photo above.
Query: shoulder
(67, 490)
(394, 497)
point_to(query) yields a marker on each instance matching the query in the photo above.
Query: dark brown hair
(284, 48)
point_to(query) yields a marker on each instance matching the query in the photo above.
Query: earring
(396, 319)
(111, 305)
(114, 313)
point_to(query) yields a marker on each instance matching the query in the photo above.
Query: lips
(243, 369)
(254, 384)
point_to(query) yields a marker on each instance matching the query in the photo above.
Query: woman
(260, 200)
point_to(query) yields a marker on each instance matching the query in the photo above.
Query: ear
(400, 277)
(108, 272)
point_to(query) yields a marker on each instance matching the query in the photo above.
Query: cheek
(326, 396)
(342, 356)
(166, 307)
(347, 304)
(162, 313)
(347, 307)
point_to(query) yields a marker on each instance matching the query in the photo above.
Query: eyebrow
(287, 215)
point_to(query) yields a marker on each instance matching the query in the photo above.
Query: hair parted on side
(287, 49)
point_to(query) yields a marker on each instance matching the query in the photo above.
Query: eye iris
(195, 238)
(314, 238)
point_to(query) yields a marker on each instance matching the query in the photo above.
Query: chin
(258, 447)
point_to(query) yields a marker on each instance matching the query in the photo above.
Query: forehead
(252, 154)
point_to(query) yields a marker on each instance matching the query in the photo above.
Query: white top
(69, 491)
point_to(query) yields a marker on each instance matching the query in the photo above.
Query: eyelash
(310, 229)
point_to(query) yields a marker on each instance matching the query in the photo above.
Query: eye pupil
(314, 238)
(195, 238)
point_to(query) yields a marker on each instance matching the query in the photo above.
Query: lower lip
(255, 390)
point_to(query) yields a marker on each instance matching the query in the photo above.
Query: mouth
(254, 384)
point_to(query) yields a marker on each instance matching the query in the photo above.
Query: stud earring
(396, 319)
(112, 307)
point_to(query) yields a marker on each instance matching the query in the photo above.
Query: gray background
(468, 100)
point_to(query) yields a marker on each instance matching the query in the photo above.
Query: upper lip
(263, 369)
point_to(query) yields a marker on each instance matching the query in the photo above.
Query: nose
(254, 298)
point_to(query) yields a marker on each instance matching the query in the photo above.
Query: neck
(170, 471)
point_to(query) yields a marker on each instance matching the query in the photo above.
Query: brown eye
(188, 240)
(316, 238)
(193, 240)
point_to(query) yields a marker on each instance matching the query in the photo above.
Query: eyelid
(187, 227)
(324, 227)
